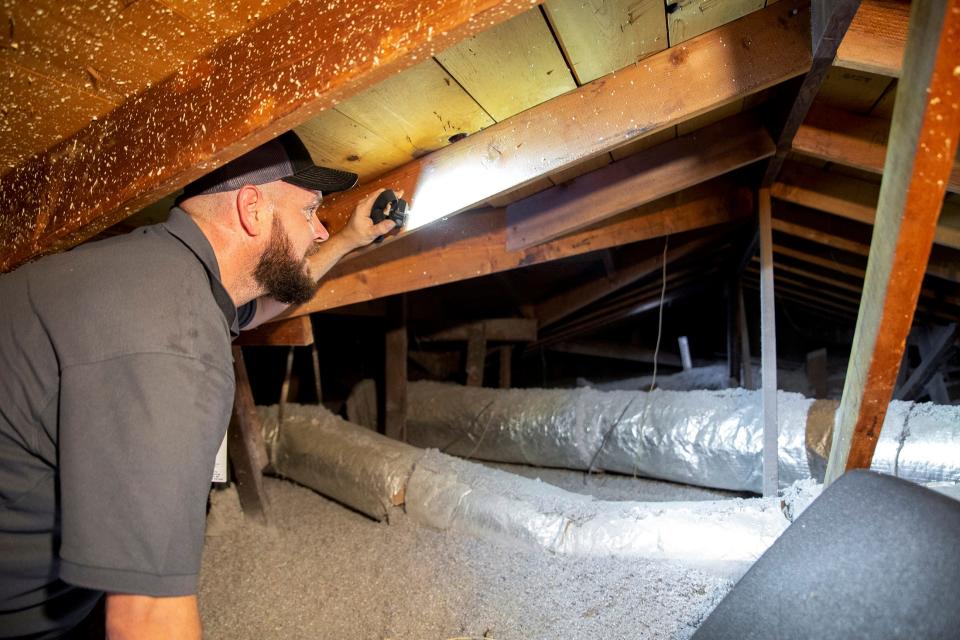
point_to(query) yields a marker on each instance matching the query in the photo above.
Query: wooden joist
(474, 244)
(494, 330)
(922, 148)
(851, 198)
(876, 38)
(244, 91)
(616, 351)
(644, 177)
(853, 140)
(640, 100)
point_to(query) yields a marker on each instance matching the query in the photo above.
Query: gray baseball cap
(283, 158)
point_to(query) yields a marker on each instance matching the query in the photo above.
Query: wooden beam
(473, 244)
(852, 198)
(506, 366)
(746, 361)
(853, 140)
(616, 351)
(639, 100)
(395, 370)
(829, 20)
(494, 330)
(876, 38)
(248, 454)
(246, 90)
(927, 344)
(291, 332)
(476, 355)
(562, 305)
(636, 180)
(768, 349)
(942, 341)
(923, 145)
(816, 370)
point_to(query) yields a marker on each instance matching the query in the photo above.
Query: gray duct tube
(355, 466)
(707, 438)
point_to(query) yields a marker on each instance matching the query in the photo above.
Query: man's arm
(147, 618)
(359, 232)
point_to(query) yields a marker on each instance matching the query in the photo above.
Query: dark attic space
(487, 319)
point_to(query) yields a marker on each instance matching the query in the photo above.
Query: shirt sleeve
(138, 438)
(246, 312)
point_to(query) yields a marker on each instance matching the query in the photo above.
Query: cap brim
(323, 179)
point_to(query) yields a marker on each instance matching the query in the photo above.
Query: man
(117, 387)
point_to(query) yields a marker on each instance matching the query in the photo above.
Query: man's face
(282, 268)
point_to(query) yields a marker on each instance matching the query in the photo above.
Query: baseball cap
(283, 158)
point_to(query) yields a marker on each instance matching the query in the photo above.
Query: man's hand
(138, 617)
(360, 230)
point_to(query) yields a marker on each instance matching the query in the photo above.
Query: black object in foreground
(397, 213)
(874, 557)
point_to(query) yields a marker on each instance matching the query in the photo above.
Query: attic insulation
(706, 438)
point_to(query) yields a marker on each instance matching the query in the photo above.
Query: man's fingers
(384, 227)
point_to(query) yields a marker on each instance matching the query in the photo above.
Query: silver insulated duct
(707, 438)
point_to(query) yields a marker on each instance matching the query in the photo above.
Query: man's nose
(320, 232)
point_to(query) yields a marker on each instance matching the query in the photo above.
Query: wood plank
(212, 16)
(291, 332)
(671, 86)
(476, 355)
(743, 328)
(920, 158)
(494, 329)
(634, 181)
(567, 302)
(474, 244)
(852, 90)
(768, 350)
(616, 351)
(522, 49)
(630, 31)
(505, 354)
(247, 452)
(829, 21)
(835, 135)
(876, 38)
(816, 370)
(853, 199)
(688, 19)
(334, 140)
(417, 110)
(395, 370)
(246, 90)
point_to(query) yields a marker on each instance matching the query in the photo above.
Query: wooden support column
(733, 335)
(817, 372)
(395, 373)
(746, 376)
(768, 349)
(476, 355)
(920, 154)
(248, 454)
(506, 365)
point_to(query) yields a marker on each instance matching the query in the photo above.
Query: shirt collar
(181, 226)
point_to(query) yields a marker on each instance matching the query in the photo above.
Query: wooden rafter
(876, 38)
(246, 90)
(922, 148)
(474, 244)
(640, 100)
(829, 20)
(638, 179)
(853, 140)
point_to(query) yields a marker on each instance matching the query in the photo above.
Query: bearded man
(117, 387)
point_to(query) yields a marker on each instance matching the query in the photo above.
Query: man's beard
(281, 275)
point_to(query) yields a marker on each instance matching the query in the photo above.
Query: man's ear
(252, 210)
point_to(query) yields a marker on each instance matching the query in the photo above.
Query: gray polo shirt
(116, 387)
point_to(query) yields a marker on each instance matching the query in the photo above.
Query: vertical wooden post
(817, 372)
(506, 366)
(395, 374)
(476, 355)
(247, 452)
(315, 356)
(733, 334)
(746, 379)
(285, 387)
(920, 155)
(768, 349)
